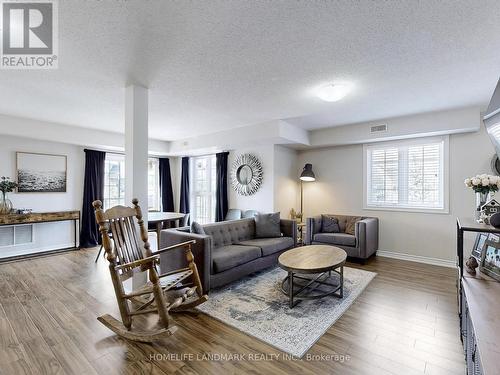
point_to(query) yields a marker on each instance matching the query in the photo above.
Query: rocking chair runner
(127, 257)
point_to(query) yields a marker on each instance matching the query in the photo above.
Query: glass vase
(5, 204)
(481, 199)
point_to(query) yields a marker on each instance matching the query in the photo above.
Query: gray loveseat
(228, 251)
(362, 244)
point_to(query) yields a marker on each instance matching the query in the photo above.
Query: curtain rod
(155, 156)
(123, 152)
(202, 155)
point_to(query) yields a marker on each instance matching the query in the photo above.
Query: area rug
(256, 306)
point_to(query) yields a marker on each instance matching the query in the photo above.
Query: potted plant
(484, 186)
(6, 186)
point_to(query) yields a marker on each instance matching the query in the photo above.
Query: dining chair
(102, 246)
(249, 214)
(233, 214)
(185, 220)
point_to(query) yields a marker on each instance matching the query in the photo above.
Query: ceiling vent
(378, 129)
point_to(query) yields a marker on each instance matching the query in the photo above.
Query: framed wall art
(41, 173)
(490, 260)
(478, 245)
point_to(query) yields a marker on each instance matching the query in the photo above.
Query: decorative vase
(5, 205)
(471, 265)
(481, 198)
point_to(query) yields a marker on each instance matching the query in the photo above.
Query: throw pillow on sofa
(196, 228)
(330, 224)
(350, 227)
(267, 225)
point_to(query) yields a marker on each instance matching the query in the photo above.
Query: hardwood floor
(405, 322)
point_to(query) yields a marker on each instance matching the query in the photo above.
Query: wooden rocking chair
(127, 257)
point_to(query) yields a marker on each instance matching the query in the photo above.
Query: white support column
(136, 154)
(136, 145)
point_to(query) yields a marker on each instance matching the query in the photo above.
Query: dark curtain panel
(93, 189)
(184, 204)
(221, 204)
(167, 195)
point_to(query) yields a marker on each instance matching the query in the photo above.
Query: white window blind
(203, 184)
(154, 184)
(406, 175)
(114, 182)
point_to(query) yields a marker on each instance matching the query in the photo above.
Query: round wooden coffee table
(320, 261)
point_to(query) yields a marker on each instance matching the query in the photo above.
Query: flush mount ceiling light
(333, 91)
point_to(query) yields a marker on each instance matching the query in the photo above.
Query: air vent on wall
(378, 128)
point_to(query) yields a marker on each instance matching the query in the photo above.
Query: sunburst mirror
(495, 164)
(246, 174)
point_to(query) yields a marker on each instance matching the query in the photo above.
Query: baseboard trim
(417, 258)
(40, 253)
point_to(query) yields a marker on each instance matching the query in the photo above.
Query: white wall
(263, 200)
(453, 121)
(46, 235)
(286, 180)
(267, 133)
(339, 189)
(52, 132)
(279, 189)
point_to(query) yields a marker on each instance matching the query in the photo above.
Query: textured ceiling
(214, 65)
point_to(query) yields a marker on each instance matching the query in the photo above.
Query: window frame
(409, 142)
(157, 204)
(120, 158)
(212, 177)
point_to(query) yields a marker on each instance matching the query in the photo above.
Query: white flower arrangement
(483, 183)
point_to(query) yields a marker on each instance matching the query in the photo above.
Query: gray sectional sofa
(228, 251)
(362, 244)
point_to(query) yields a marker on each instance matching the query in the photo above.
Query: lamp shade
(307, 173)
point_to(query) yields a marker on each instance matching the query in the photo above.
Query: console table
(480, 324)
(42, 217)
(479, 303)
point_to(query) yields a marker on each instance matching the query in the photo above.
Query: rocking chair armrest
(173, 247)
(140, 262)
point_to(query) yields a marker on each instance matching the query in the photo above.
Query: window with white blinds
(114, 182)
(203, 184)
(407, 175)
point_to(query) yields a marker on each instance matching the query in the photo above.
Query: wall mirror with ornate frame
(246, 174)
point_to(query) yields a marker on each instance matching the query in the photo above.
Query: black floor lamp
(307, 175)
